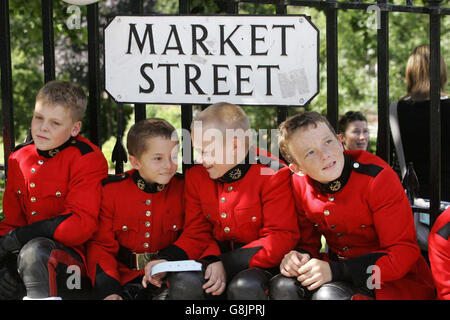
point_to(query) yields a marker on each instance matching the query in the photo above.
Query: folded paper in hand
(175, 266)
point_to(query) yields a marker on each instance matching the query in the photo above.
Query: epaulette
(369, 169)
(24, 144)
(270, 162)
(114, 178)
(444, 232)
(82, 146)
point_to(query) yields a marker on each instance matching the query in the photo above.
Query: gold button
(74, 141)
(33, 199)
(33, 170)
(174, 227)
(356, 165)
(345, 249)
(331, 199)
(230, 188)
(32, 185)
(253, 219)
(19, 192)
(146, 245)
(58, 194)
(147, 235)
(147, 224)
(339, 235)
(223, 215)
(226, 229)
(124, 228)
(326, 212)
(363, 226)
(147, 202)
(223, 199)
(41, 162)
(33, 213)
(148, 213)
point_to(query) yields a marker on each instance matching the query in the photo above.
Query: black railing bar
(435, 117)
(383, 140)
(140, 109)
(6, 82)
(94, 73)
(48, 40)
(358, 6)
(186, 109)
(282, 112)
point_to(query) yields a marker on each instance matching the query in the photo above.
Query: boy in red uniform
(142, 212)
(357, 202)
(240, 215)
(439, 254)
(51, 201)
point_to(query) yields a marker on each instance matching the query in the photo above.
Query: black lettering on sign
(148, 34)
(151, 84)
(192, 80)
(283, 28)
(168, 75)
(174, 32)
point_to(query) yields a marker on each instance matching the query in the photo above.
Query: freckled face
(318, 153)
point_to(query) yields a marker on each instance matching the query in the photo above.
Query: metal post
(6, 82)
(383, 136)
(186, 109)
(332, 66)
(48, 40)
(435, 114)
(282, 112)
(94, 74)
(140, 112)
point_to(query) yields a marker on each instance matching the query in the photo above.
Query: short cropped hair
(225, 115)
(66, 94)
(140, 132)
(294, 123)
(348, 118)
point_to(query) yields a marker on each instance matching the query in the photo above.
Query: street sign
(245, 60)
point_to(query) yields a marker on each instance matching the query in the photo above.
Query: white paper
(174, 266)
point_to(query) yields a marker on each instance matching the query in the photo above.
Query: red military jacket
(135, 215)
(62, 182)
(250, 209)
(439, 254)
(366, 220)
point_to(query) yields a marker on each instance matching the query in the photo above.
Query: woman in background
(353, 131)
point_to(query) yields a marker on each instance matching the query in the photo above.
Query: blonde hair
(418, 74)
(288, 127)
(225, 115)
(66, 94)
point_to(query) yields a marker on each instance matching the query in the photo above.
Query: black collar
(145, 186)
(337, 184)
(237, 172)
(53, 152)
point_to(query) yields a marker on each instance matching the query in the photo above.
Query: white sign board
(245, 60)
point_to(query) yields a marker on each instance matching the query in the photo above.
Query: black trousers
(249, 284)
(284, 288)
(50, 269)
